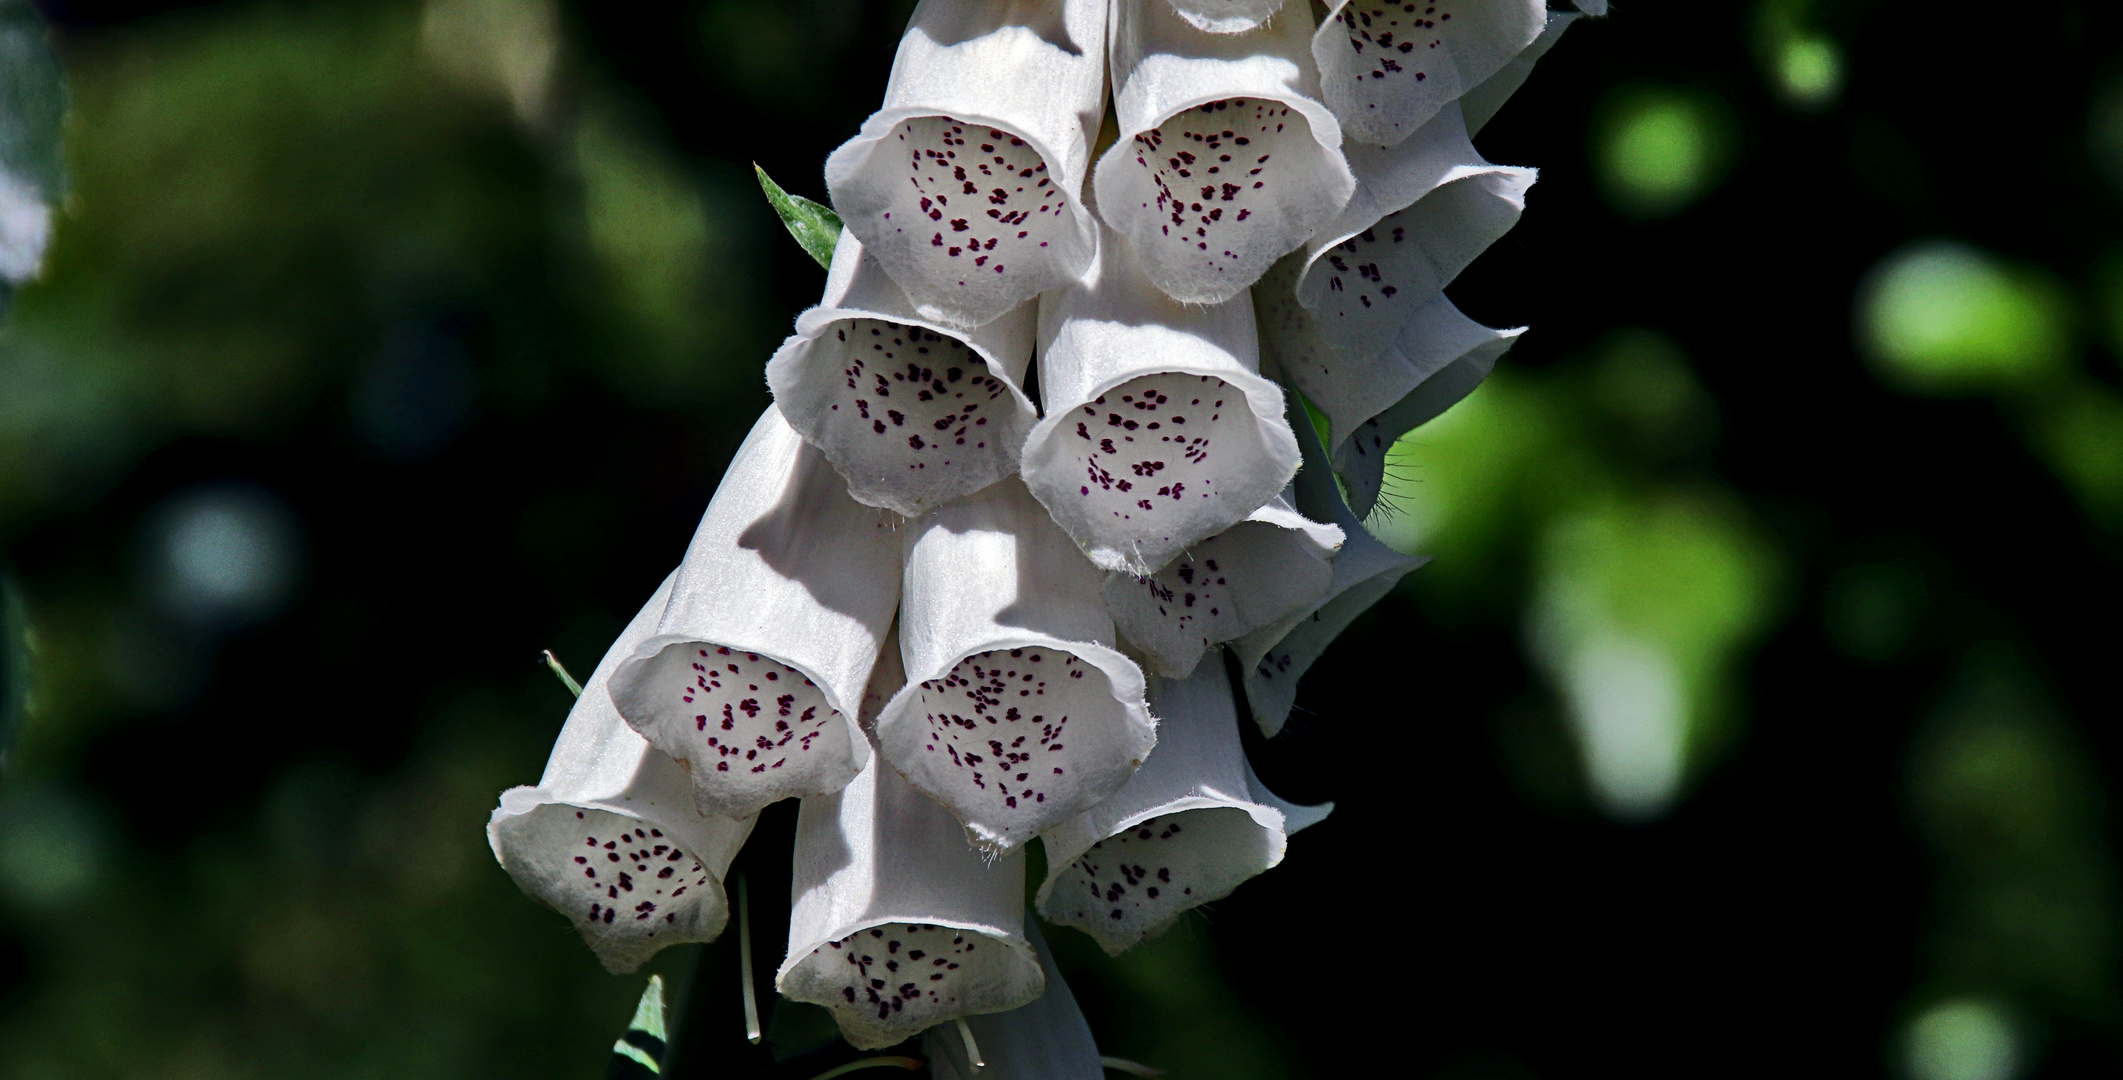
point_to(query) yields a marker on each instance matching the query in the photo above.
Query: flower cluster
(1030, 469)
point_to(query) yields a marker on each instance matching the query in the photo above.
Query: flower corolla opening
(1044, 1040)
(1386, 67)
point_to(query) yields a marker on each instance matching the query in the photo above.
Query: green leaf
(14, 668)
(640, 1051)
(814, 225)
(32, 115)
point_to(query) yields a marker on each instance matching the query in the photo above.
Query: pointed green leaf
(640, 1051)
(814, 225)
(32, 173)
(553, 665)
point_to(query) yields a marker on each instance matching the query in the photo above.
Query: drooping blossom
(1045, 1040)
(1388, 66)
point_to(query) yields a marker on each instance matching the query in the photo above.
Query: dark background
(464, 339)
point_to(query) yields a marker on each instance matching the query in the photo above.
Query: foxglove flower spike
(610, 836)
(1186, 830)
(756, 669)
(1018, 712)
(1481, 104)
(912, 412)
(897, 925)
(1386, 67)
(1159, 432)
(1274, 658)
(1226, 157)
(1223, 588)
(1045, 1040)
(967, 186)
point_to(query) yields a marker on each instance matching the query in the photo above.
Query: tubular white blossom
(1046, 1040)
(1185, 830)
(1018, 712)
(896, 923)
(1423, 210)
(913, 412)
(967, 185)
(1275, 657)
(1386, 66)
(1481, 104)
(1226, 16)
(1159, 431)
(611, 837)
(1246, 577)
(1226, 157)
(756, 669)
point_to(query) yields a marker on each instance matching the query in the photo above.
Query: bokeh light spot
(225, 554)
(1657, 150)
(1941, 317)
(1962, 1040)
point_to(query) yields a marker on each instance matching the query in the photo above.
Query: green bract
(813, 224)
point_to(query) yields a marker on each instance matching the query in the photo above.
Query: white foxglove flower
(754, 675)
(1482, 103)
(1223, 588)
(1226, 16)
(913, 412)
(1226, 157)
(897, 924)
(1159, 430)
(1187, 829)
(1445, 355)
(1275, 657)
(1018, 711)
(1046, 1040)
(967, 186)
(1386, 67)
(611, 837)
(1423, 210)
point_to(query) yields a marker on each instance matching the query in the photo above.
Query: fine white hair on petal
(1186, 830)
(1386, 67)
(1226, 16)
(1226, 159)
(610, 836)
(1481, 104)
(967, 186)
(1246, 577)
(1274, 658)
(1423, 210)
(756, 669)
(914, 413)
(897, 924)
(1045, 1040)
(1018, 712)
(1159, 432)
(1444, 354)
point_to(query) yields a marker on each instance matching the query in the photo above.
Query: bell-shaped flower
(611, 836)
(1191, 825)
(897, 924)
(1226, 16)
(1223, 588)
(1275, 657)
(1226, 159)
(967, 186)
(1018, 711)
(1386, 67)
(1423, 210)
(1046, 1040)
(754, 675)
(1481, 104)
(1159, 430)
(913, 412)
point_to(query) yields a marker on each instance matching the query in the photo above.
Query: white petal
(1274, 658)
(1185, 830)
(611, 837)
(1226, 158)
(1444, 354)
(1019, 711)
(1046, 1040)
(1480, 104)
(1386, 67)
(1592, 7)
(967, 185)
(913, 412)
(886, 891)
(1226, 16)
(754, 674)
(1248, 576)
(1159, 431)
(1423, 211)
